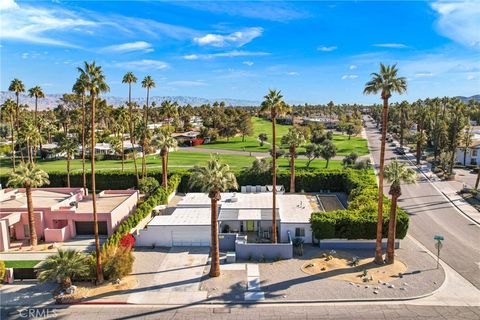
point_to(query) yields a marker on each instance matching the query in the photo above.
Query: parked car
(399, 150)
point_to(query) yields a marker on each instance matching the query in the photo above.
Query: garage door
(86, 227)
(190, 239)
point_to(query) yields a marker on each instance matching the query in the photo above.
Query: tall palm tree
(403, 106)
(36, 92)
(395, 173)
(215, 178)
(273, 103)
(69, 146)
(28, 176)
(31, 136)
(168, 110)
(18, 87)
(8, 109)
(294, 138)
(147, 83)
(386, 82)
(164, 141)
(95, 83)
(121, 122)
(64, 265)
(130, 78)
(80, 88)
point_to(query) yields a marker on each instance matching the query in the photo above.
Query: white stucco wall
(164, 236)
(284, 227)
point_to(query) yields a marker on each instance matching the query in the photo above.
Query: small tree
(328, 151)
(350, 159)
(262, 137)
(395, 173)
(148, 185)
(64, 265)
(312, 152)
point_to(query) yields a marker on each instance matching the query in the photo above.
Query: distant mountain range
(53, 100)
(466, 99)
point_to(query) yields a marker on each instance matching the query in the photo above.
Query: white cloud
(327, 49)
(349, 77)
(235, 39)
(292, 73)
(228, 54)
(25, 55)
(129, 47)
(187, 83)
(423, 74)
(33, 24)
(143, 65)
(248, 63)
(459, 21)
(352, 67)
(391, 45)
(471, 77)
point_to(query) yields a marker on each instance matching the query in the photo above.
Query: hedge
(359, 221)
(160, 196)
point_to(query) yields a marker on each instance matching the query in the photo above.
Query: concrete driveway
(176, 280)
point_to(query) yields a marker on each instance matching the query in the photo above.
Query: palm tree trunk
(31, 217)
(36, 108)
(378, 244)
(419, 146)
(68, 170)
(132, 140)
(392, 226)
(274, 181)
(144, 165)
(28, 152)
(402, 127)
(465, 156)
(94, 199)
(84, 174)
(123, 154)
(214, 249)
(478, 178)
(164, 169)
(13, 142)
(292, 170)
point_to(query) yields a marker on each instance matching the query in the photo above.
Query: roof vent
(16, 196)
(234, 198)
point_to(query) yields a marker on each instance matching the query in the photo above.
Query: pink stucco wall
(57, 235)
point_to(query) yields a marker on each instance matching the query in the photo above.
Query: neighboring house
(325, 121)
(50, 151)
(61, 213)
(186, 138)
(239, 213)
(472, 155)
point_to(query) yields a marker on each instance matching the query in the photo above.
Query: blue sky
(313, 51)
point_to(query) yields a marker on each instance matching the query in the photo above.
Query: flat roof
(40, 199)
(294, 208)
(105, 203)
(183, 216)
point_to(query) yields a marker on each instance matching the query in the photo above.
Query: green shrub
(359, 220)
(117, 262)
(2, 271)
(148, 185)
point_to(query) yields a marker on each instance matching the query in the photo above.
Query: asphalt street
(432, 214)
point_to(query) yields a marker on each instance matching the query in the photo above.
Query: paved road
(277, 312)
(432, 214)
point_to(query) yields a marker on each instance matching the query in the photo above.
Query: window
(299, 232)
(474, 152)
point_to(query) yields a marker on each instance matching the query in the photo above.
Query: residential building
(61, 213)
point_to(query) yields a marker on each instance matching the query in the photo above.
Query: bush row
(359, 221)
(160, 196)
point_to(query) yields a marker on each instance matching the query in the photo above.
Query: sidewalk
(448, 189)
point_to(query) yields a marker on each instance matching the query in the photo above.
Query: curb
(459, 209)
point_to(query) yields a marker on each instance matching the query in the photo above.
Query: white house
(472, 154)
(239, 213)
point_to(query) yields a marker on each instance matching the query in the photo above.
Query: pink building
(61, 213)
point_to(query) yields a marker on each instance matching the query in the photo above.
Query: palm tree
(18, 87)
(80, 88)
(395, 173)
(294, 138)
(28, 176)
(31, 136)
(65, 265)
(8, 109)
(404, 106)
(36, 92)
(164, 141)
(69, 146)
(130, 78)
(273, 103)
(147, 83)
(121, 121)
(215, 178)
(386, 82)
(95, 83)
(168, 110)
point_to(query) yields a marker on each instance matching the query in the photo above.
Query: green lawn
(344, 146)
(178, 159)
(21, 264)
